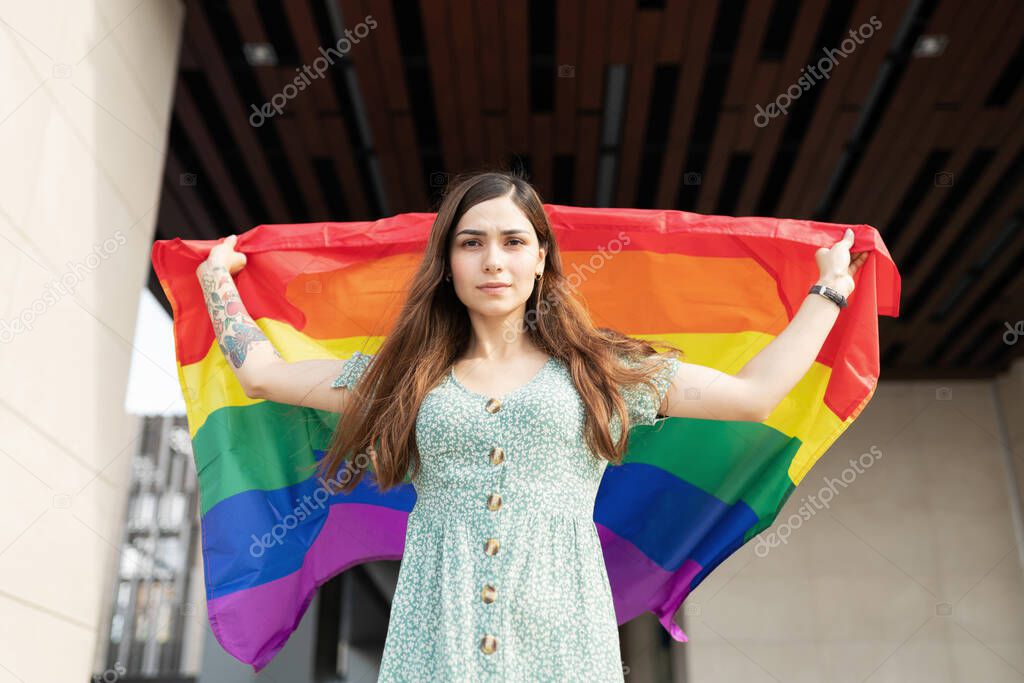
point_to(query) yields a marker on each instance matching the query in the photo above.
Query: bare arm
(754, 392)
(246, 348)
(259, 367)
(777, 368)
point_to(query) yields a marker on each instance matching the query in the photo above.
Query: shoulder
(658, 362)
(642, 403)
(352, 369)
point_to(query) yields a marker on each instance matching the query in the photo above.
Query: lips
(493, 289)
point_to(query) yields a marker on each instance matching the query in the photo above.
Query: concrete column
(1008, 395)
(84, 114)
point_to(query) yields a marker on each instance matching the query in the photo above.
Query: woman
(503, 404)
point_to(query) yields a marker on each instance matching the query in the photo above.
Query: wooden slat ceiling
(645, 104)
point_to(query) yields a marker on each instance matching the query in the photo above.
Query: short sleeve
(352, 370)
(641, 404)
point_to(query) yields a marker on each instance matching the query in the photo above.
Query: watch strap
(830, 294)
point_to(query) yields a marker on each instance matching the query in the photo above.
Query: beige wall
(84, 114)
(912, 573)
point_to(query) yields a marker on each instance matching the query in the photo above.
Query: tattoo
(236, 331)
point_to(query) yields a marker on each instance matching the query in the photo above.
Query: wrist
(209, 266)
(826, 291)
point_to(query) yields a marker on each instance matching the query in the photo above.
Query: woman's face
(495, 242)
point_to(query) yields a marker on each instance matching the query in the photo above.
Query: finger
(858, 261)
(844, 242)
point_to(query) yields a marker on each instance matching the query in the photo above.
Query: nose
(492, 260)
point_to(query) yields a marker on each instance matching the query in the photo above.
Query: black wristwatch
(830, 294)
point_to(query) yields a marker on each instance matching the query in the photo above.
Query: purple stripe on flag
(639, 584)
(253, 624)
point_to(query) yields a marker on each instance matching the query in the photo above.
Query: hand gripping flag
(689, 492)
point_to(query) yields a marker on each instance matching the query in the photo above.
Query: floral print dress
(503, 575)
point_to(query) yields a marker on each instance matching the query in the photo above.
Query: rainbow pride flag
(690, 491)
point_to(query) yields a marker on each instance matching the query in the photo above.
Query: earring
(539, 275)
(448, 277)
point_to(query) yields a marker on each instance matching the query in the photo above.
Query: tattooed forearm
(236, 331)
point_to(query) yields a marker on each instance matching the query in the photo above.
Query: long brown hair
(433, 329)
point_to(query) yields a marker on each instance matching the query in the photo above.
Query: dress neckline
(451, 375)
